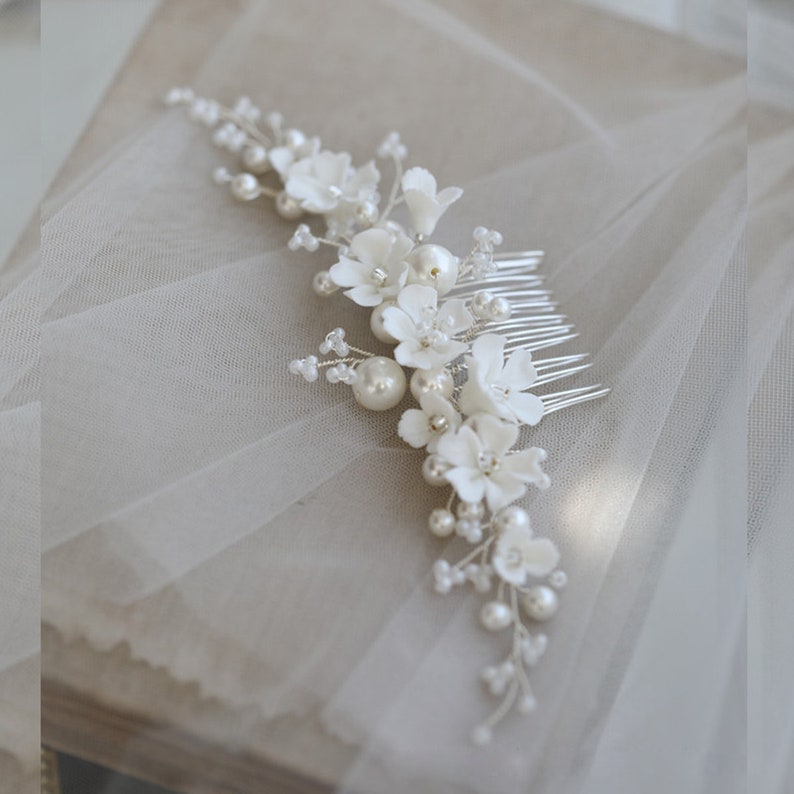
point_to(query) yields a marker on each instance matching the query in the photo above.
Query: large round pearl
(433, 266)
(512, 517)
(436, 380)
(288, 207)
(496, 615)
(380, 383)
(376, 323)
(245, 187)
(540, 602)
(441, 522)
(434, 470)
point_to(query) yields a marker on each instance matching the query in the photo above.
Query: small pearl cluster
(307, 367)
(246, 109)
(179, 96)
(482, 265)
(468, 525)
(446, 576)
(303, 238)
(497, 677)
(532, 648)
(335, 340)
(392, 146)
(479, 576)
(487, 239)
(341, 373)
(230, 137)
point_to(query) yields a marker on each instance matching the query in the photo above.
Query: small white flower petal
(519, 371)
(399, 324)
(541, 557)
(281, 158)
(496, 436)
(525, 465)
(419, 179)
(461, 449)
(349, 272)
(372, 246)
(413, 428)
(454, 317)
(411, 354)
(528, 408)
(415, 299)
(365, 295)
(468, 483)
(501, 489)
(488, 350)
(476, 396)
(450, 351)
(331, 167)
(449, 195)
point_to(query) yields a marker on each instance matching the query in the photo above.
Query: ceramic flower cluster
(472, 398)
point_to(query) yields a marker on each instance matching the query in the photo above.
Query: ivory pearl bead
(512, 517)
(480, 303)
(288, 207)
(434, 470)
(376, 323)
(433, 266)
(481, 735)
(441, 522)
(470, 511)
(367, 213)
(380, 383)
(295, 139)
(432, 380)
(499, 310)
(496, 615)
(245, 187)
(255, 159)
(323, 284)
(540, 602)
(527, 704)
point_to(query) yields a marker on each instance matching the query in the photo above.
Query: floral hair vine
(442, 313)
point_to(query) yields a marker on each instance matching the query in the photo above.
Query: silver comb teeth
(533, 325)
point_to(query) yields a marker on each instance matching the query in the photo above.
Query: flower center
(502, 391)
(378, 276)
(438, 424)
(513, 558)
(489, 463)
(426, 330)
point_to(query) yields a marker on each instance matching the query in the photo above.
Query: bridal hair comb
(467, 327)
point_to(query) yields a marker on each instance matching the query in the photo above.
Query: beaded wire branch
(471, 384)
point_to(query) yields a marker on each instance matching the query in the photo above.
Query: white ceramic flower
(482, 467)
(374, 267)
(424, 331)
(426, 427)
(518, 555)
(495, 387)
(425, 203)
(324, 179)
